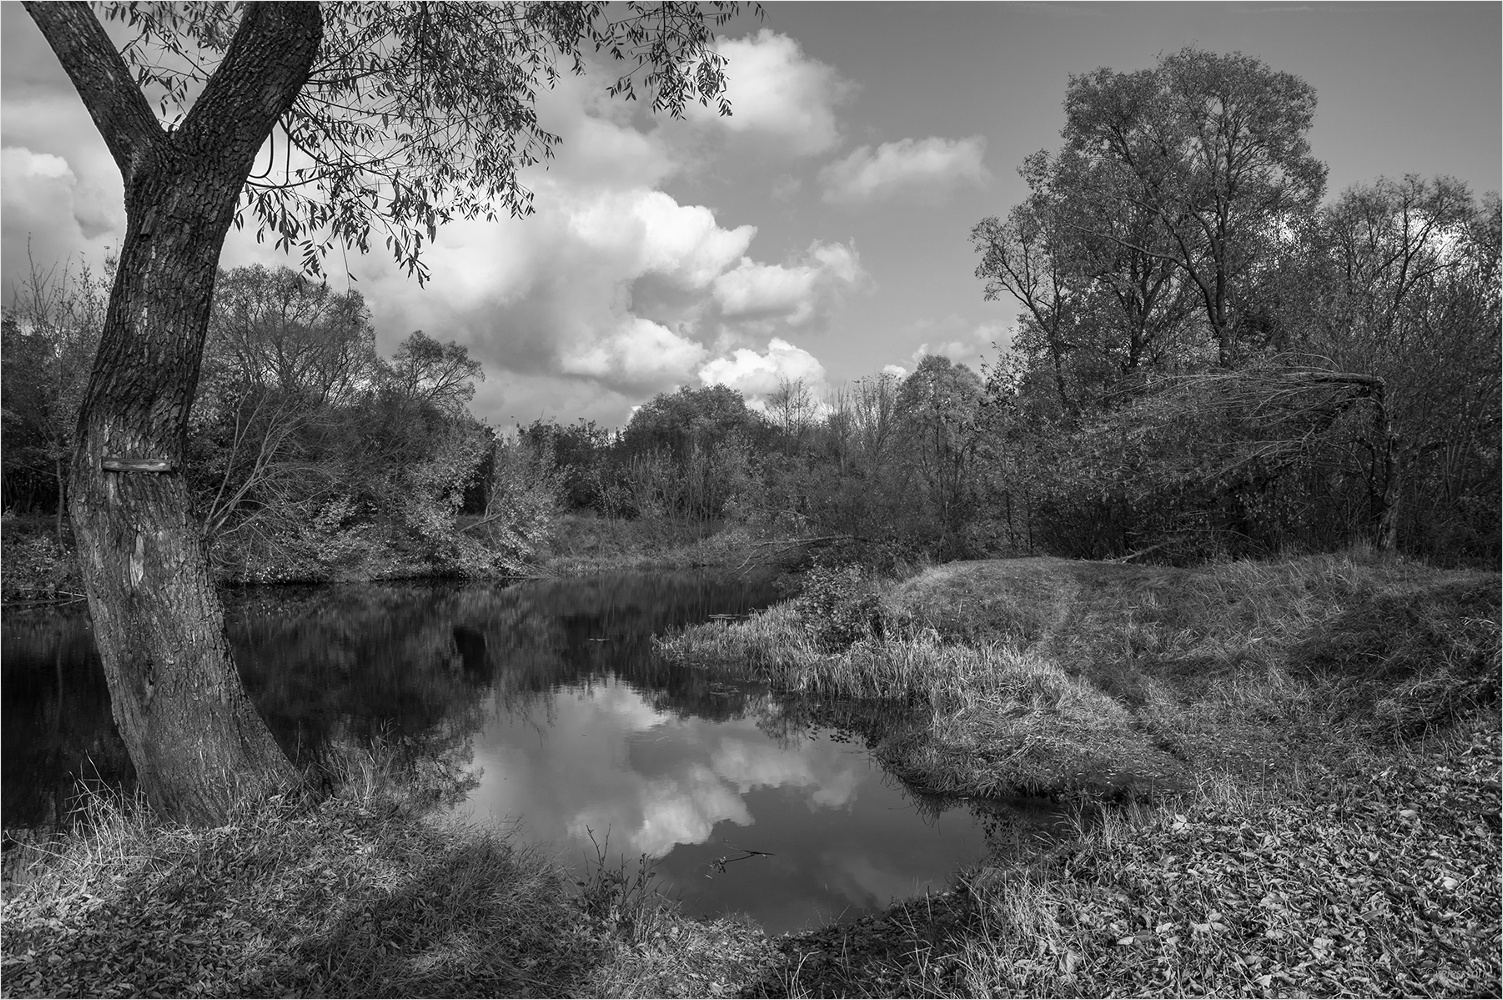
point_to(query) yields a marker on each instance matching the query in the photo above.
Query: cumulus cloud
(62, 190)
(640, 352)
(924, 169)
(954, 337)
(757, 374)
(779, 93)
(798, 293)
(612, 291)
(625, 288)
(51, 213)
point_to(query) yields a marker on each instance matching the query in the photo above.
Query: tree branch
(103, 81)
(262, 71)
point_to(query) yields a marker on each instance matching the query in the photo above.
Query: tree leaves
(415, 114)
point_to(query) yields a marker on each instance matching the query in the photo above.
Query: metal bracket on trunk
(122, 463)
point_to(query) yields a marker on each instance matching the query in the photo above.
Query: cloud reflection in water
(600, 758)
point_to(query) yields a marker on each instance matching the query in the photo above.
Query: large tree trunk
(195, 738)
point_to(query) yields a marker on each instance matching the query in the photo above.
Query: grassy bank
(356, 896)
(1305, 756)
(39, 569)
(1055, 676)
(585, 543)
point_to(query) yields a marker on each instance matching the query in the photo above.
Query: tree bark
(197, 743)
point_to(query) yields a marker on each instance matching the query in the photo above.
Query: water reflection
(551, 693)
(605, 762)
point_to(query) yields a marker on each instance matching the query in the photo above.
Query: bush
(839, 607)
(37, 567)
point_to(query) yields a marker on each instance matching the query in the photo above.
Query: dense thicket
(308, 453)
(1209, 360)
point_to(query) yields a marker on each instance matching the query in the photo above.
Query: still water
(547, 703)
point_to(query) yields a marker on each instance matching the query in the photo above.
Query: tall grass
(1049, 675)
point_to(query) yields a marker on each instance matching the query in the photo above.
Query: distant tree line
(1210, 361)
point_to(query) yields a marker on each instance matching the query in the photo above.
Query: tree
(51, 329)
(1102, 299)
(674, 422)
(426, 373)
(938, 407)
(1214, 149)
(792, 408)
(399, 117)
(874, 406)
(279, 330)
(1401, 283)
(282, 354)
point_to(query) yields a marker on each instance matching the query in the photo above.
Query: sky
(822, 231)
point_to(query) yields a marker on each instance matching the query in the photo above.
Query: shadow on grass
(344, 900)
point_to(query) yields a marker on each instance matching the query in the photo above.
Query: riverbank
(1080, 679)
(39, 569)
(1305, 757)
(357, 895)
(1299, 763)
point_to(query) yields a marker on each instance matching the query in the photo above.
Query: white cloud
(639, 352)
(625, 288)
(923, 169)
(954, 337)
(51, 213)
(800, 293)
(778, 93)
(757, 374)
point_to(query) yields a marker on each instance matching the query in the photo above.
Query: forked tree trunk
(195, 738)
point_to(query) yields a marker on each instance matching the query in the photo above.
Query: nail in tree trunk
(196, 740)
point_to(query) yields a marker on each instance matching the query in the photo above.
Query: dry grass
(357, 896)
(1389, 888)
(1059, 676)
(1320, 738)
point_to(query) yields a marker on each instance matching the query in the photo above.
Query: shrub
(839, 607)
(36, 565)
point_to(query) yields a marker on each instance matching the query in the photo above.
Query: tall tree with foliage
(379, 119)
(1214, 148)
(938, 408)
(1103, 302)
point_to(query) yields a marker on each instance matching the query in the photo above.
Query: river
(542, 706)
